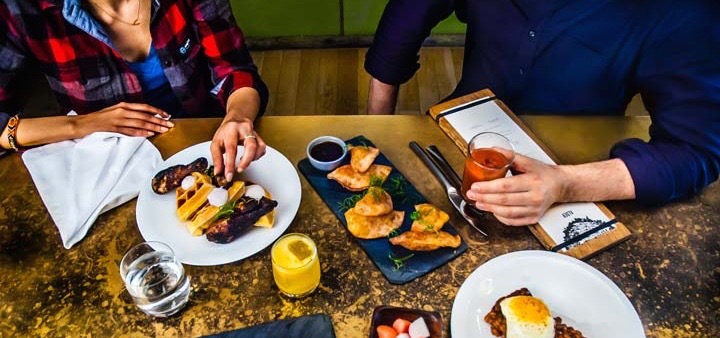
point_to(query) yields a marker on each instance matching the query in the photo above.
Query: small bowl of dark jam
(326, 152)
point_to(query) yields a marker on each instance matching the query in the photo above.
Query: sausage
(170, 178)
(246, 213)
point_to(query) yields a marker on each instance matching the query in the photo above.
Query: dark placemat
(404, 196)
(313, 326)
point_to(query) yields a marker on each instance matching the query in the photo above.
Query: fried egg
(527, 317)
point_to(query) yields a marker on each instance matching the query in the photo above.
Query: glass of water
(155, 279)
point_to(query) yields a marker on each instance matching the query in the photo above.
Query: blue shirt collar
(75, 14)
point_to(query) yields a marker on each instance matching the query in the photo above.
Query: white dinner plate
(158, 221)
(576, 292)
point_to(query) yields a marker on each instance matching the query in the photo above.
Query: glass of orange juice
(489, 157)
(295, 264)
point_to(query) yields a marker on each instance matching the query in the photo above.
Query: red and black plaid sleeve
(224, 45)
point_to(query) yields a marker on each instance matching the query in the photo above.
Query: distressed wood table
(669, 269)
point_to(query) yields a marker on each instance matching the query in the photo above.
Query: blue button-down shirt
(586, 57)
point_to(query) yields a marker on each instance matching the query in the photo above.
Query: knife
(453, 196)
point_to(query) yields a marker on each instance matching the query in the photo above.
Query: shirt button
(521, 71)
(531, 34)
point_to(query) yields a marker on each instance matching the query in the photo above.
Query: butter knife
(453, 196)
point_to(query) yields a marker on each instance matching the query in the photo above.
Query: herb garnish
(210, 171)
(393, 233)
(349, 202)
(376, 193)
(399, 261)
(226, 210)
(376, 181)
(418, 217)
(397, 186)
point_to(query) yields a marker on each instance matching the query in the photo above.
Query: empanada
(426, 240)
(428, 218)
(369, 227)
(376, 202)
(361, 157)
(355, 181)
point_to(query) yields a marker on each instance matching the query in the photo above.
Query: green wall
(267, 18)
(264, 18)
(362, 16)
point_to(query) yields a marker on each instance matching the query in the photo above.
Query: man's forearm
(597, 181)
(382, 98)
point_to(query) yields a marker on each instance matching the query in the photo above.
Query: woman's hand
(224, 146)
(132, 119)
(524, 197)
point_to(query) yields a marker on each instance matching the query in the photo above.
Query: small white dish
(323, 153)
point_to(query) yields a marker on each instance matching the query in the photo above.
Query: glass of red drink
(489, 157)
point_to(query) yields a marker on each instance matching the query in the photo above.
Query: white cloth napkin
(80, 179)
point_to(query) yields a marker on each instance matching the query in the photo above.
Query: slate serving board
(312, 326)
(333, 194)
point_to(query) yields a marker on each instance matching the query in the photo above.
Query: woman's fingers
(134, 132)
(142, 107)
(230, 156)
(147, 122)
(216, 151)
(262, 147)
(225, 142)
(251, 147)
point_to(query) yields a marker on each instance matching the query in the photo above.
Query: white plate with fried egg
(158, 221)
(579, 294)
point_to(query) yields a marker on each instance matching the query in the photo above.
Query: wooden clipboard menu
(576, 229)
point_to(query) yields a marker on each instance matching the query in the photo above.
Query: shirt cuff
(240, 79)
(392, 73)
(654, 182)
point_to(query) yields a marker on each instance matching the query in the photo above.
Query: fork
(455, 199)
(453, 177)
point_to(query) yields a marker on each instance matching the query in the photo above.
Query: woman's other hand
(132, 119)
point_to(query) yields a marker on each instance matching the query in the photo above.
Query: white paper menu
(568, 224)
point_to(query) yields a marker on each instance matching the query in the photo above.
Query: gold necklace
(134, 23)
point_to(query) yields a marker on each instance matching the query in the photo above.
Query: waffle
(189, 201)
(267, 220)
(206, 215)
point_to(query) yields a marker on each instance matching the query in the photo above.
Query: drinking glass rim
(512, 149)
(123, 272)
(314, 250)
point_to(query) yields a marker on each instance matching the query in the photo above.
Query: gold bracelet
(12, 130)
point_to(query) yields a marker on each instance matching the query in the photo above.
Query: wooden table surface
(668, 269)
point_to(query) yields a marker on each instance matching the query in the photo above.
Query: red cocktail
(489, 157)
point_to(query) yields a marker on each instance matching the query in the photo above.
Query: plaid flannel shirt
(199, 44)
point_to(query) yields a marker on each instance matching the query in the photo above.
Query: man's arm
(678, 74)
(382, 97)
(393, 57)
(682, 94)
